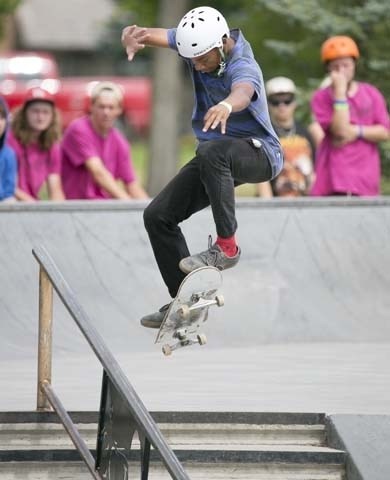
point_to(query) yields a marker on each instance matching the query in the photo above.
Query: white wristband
(227, 105)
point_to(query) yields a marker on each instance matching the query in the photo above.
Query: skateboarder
(236, 142)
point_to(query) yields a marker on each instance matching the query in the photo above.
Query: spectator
(7, 159)
(298, 147)
(354, 118)
(34, 137)
(95, 154)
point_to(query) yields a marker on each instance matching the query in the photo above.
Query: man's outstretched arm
(136, 38)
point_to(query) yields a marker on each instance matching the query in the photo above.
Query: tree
(6, 8)
(166, 92)
(286, 36)
(166, 74)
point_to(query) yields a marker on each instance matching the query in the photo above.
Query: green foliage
(143, 13)
(287, 35)
(6, 7)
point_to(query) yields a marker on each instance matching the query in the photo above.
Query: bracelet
(360, 131)
(227, 105)
(340, 105)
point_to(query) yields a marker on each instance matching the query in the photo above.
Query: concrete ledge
(254, 418)
(242, 202)
(366, 439)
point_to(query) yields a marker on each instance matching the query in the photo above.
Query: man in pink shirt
(354, 118)
(95, 155)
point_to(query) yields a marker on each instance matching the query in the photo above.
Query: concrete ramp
(311, 271)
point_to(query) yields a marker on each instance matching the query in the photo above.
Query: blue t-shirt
(254, 121)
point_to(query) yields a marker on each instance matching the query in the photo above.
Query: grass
(385, 186)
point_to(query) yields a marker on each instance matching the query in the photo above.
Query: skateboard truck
(189, 309)
(185, 310)
(184, 341)
(184, 313)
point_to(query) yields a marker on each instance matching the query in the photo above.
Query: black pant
(208, 179)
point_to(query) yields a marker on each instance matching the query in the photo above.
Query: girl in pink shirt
(35, 139)
(354, 118)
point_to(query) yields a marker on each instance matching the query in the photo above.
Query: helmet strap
(222, 63)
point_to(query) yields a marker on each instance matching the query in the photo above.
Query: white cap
(280, 85)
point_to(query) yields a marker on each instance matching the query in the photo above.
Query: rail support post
(44, 338)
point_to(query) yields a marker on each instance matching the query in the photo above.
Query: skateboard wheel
(184, 312)
(202, 339)
(220, 300)
(167, 350)
(181, 333)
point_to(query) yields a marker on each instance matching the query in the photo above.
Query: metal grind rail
(117, 391)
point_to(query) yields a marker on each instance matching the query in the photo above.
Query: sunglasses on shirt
(276, 103)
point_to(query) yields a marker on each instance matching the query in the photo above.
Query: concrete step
(210, 445)
(179, 428)
(196, 471)
(49, 435)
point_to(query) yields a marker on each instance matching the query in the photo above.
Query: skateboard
(189, 309)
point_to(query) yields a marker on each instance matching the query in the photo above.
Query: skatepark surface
(305, 326)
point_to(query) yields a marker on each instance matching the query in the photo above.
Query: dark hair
(3, 111)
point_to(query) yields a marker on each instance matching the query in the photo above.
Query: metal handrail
(51, 277)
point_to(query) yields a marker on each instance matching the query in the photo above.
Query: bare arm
(340, 123)
(316, 132)
(54, 186)
(238, 99)
(136, 38)
(23, 196)
(374, 133)
(264, 190)
(341, 128)
(351, 132)
(135, 190)
(104, 178)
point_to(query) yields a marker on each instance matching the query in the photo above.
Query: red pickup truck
(21, 70)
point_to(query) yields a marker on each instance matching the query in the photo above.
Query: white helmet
(199, 31)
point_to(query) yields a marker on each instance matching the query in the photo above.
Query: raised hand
(133, 39)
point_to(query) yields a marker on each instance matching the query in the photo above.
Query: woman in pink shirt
(354, 118)
(35, 139)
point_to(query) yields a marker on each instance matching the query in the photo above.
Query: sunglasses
(276, 103)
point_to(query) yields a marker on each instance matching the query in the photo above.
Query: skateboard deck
(189, 309)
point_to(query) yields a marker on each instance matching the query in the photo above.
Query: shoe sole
(185, 270)
(221, 269)
(148, 324)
